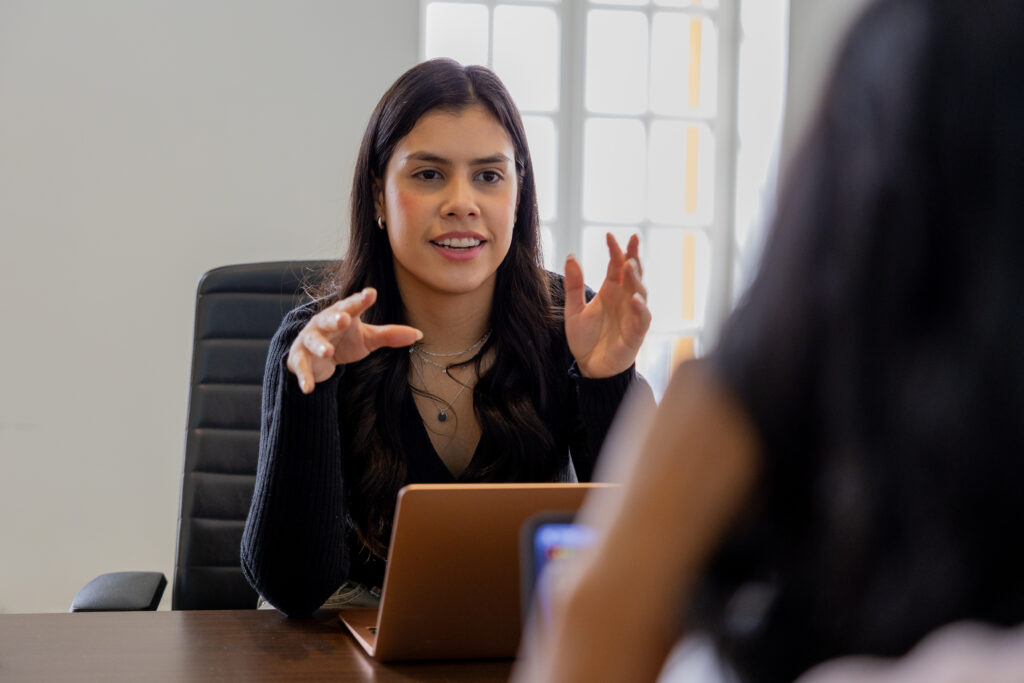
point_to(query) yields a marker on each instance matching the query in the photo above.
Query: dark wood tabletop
(247, 645)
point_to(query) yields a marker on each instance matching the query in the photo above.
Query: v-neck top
(425, 464)
(299, 544)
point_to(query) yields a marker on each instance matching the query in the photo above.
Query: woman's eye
(428, 174)
(490, 177)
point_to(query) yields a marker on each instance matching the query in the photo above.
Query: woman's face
(449, 201)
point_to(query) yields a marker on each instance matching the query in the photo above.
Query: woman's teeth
(458, 243)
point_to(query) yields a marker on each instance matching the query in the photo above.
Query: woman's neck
(449, 322)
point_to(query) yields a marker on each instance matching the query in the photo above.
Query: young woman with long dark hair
(438, 350)
(842, 475)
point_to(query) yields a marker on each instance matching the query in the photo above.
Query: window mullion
(571, 119)
(722, 231)
(490, 33)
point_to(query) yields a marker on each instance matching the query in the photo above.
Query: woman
(439, 350)
(839, 477)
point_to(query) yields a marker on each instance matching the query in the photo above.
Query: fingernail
(636, 295)
(570, 257)
(302, 385)
(321, 349)
(419, 335)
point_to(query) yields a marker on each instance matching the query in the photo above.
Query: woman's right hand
(336, 335)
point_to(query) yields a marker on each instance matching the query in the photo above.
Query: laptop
(452, 586)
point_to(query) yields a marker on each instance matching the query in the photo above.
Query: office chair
(238, 309)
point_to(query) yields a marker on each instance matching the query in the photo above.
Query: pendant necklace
(424, 356)
(442, 414)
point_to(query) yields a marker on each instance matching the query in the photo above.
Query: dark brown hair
(880, 351)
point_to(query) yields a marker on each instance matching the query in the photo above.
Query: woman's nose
(460, 201)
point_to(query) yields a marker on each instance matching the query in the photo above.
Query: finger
(575, 292)
(616, 259)
(633, 247)
(292, 361)
(332, 320)
(632, 278)
(316, 343)
(299, 363)
(642, 315)
(355, 304)
(633, 252)
(395, 336)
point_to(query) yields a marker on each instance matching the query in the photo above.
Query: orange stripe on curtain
(689, 284)
(682, 349)
(694, 93)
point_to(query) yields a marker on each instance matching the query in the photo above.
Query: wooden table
(246, 645)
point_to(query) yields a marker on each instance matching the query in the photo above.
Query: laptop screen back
(452, 584)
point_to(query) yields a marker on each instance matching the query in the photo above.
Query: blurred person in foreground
(841, 475)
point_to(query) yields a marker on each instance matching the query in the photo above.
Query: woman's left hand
(605, 334)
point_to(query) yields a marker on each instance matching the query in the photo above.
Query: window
(629, 113)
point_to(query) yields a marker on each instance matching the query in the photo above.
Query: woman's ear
(519, 194)
(378, 197)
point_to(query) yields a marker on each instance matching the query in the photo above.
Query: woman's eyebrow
(493, 159)
(436, 159)
(427, 157)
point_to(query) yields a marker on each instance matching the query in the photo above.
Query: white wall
(142, 143)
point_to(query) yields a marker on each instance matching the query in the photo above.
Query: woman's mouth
(458, 243)
(459, 247)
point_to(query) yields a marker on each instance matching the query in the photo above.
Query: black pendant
(442, 416)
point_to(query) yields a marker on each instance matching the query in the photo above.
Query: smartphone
(547, 541)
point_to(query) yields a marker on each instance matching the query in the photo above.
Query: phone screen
(553, 544)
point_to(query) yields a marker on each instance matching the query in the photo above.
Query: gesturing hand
(605, 334)
(336, 335)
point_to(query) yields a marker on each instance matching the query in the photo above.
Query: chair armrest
(121, 592)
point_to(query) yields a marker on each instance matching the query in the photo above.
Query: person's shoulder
(301, 314)
(556, 286)
(295, 319)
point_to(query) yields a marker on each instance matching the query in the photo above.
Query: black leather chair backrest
(238, 309)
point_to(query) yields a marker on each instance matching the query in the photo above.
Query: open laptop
(452, 587)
